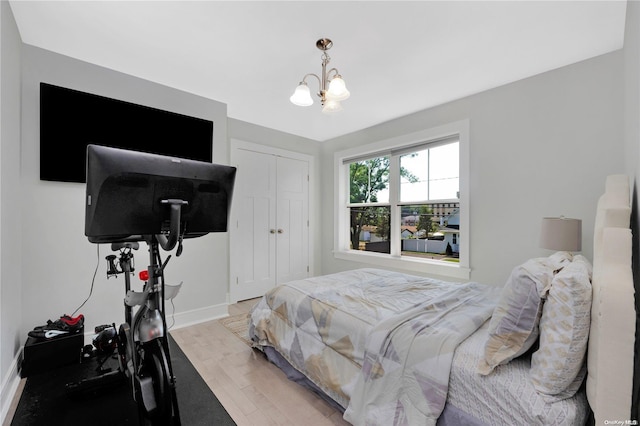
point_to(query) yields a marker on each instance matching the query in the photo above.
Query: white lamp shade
(331, 106)
(337, 89)
(561, 234)
(301, 96)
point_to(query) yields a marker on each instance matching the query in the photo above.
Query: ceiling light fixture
(332, 87)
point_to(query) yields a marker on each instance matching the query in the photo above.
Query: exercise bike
(144, 360)
(143, 352)
(134, 197)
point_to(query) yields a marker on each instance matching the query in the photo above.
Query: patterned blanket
(379, 343)
(405, 376)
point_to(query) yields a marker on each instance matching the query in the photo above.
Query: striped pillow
(557, 367)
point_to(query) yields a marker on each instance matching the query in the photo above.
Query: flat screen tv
(130, 195)
(70, 120)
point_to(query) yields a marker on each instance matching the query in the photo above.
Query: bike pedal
(102, 327)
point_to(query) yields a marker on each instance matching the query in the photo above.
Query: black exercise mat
(46, 399)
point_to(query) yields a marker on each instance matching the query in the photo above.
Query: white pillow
(557, 367)
(513, 328)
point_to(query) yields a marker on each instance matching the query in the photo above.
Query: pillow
(557, 367)
(513, 328)
(559, 260)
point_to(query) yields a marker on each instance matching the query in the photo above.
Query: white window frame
(342, 239)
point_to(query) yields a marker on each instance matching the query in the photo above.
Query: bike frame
(145, 326)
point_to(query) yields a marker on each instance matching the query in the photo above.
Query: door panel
(292, 213)
(253, 244)
(256, 242)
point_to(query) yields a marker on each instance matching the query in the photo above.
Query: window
(429, 181)
(400, 203)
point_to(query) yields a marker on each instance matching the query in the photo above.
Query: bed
(393, 348)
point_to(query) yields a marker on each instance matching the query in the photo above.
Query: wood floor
(253, 391)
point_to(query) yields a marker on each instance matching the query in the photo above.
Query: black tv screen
(70, 120)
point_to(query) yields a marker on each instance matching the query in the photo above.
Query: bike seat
(125, 244)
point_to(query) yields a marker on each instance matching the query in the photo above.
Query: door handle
(280, 231)
(272, 231)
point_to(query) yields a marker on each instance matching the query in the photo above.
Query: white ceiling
(396, 57)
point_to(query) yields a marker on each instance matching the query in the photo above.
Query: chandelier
(332, 87)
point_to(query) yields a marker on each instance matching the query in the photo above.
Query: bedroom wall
(539, 147)
(59, 262)
(254, 133)
(10, 254)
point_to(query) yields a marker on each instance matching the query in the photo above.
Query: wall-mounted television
(70, 120)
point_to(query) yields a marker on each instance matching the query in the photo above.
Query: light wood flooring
(253, 391)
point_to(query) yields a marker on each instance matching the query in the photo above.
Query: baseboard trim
(196, 316)
(10, 386)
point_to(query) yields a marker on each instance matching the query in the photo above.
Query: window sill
(426, 266)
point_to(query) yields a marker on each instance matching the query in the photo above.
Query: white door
(253, 235)
(269, 226)
(292, 216)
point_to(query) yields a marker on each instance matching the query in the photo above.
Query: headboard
(610, 357)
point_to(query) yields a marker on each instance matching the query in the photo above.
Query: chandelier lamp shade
(332, 87)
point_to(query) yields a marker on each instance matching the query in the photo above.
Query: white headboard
(610, 358)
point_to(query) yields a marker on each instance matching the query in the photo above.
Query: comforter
(405, 376)
(379, 343)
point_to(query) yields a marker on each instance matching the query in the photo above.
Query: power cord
(93, 280)
(173, 313)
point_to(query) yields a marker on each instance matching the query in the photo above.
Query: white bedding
(321, 327)
(507, 396)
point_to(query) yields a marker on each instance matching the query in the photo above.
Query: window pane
(430, 231)
(414, 176)
(430, 174)
(369, 181)
(370, 228)
(444, 181)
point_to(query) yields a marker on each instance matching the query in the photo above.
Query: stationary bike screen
(127, 192)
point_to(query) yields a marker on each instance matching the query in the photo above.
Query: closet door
(253, 232)
(269, 229)
(292, 216)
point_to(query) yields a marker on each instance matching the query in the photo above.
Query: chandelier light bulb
(337, 89)
(331, 106)
(302, 95)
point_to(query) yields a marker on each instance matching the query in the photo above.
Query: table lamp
(561, 234)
